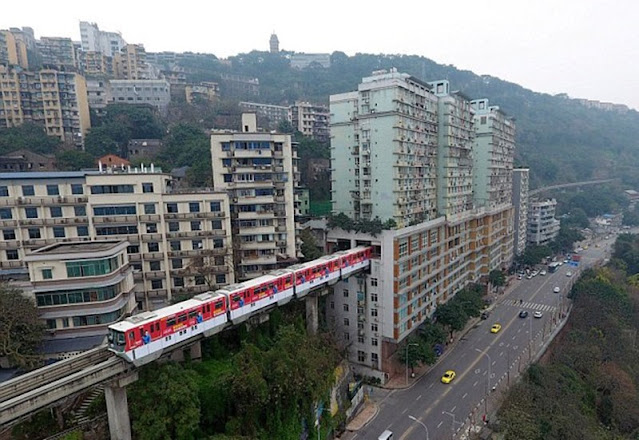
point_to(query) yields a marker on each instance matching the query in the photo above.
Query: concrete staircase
(81, 416)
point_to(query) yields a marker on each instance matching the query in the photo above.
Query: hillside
(558, 138)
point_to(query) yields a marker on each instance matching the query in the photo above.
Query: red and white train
(143, 338)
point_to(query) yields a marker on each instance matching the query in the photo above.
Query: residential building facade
(311, 120)
(403, 149)
(81, 287)
(269, 116)
(130, 63)
(180, 239)
(57, 52)
(93, 39)
(259, 172)
(543, 227)
(204, 91)
(25, 160)
(143, 148)
(520, 205)
(304, 60)
(53, 98)
(154, 92)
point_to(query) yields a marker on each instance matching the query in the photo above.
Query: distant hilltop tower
(275, 43)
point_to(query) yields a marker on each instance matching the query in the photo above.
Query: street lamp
(414, 419)
(488, 388)
(454, 423)
(408, 345)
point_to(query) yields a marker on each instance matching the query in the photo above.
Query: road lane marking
(430, 386)
(419, 397)
(501, 354)
(404, 412)
(440, 424)
(476, 382)
(464, 396)
(454, 408)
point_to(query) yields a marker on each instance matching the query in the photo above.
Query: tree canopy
(21, 330)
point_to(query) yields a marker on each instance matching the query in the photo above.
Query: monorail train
(143, 338)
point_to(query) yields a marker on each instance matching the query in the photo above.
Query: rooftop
(78, 247)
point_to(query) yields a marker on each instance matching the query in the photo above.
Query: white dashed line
(464, 396)
(420, 396)
(440, 424)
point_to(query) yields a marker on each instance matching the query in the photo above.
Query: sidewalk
(370, 407)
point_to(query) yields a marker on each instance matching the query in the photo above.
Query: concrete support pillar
(196, 351)
(118, 408)
(312, 318)
(177, 355)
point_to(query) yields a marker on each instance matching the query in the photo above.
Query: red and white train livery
(144, 337)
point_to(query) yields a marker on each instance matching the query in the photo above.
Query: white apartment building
(543, 227)
(80, 288)
(180, 240)
(155, 92)
(520, 204)
(311, 120)
(93, 39)
(259, 172)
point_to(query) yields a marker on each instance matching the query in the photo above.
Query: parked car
(542, 273)
(485, 315)
(538, 314)
(556, 289)
(568, 274)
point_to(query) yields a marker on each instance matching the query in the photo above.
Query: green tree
(309, 245)
(74, 160)
(28, 136)
(451, 315)
(21, 330)
(497, 277)
(165, 404)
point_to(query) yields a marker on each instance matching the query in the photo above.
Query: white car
(542, 273)
(556, 289)
(568, 274)
(538, 314)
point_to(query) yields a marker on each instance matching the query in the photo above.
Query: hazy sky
(586, 48)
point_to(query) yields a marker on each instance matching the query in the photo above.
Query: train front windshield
(116, 340)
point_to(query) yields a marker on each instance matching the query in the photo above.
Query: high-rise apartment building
(258, 170)
(403, 149)
(154, 92)
(8, 49)
(57, 53)
(520, 205)
(543, 227)
(311, 120)
(24, 42)
(384, 150)
(93, 63)
(130, 63)
(93, 39)
(269, 116)
(274, 43)
(180, 239)
(493, 154)
(55, 99)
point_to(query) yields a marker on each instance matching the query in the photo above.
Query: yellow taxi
(495, 328)
(448, 376)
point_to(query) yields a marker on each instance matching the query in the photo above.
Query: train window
(141, 332)
(219, 305)
(192, 313)
(182, 318)
(132, 336)
(170, 322)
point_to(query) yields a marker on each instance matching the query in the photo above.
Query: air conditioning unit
(20, 200)
(376, 334)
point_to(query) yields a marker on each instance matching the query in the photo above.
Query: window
(34, 233)
(345, 306)
(176, 246)
(374, 327)
(171, 207)
(83, 231)
(199, 280)
(196, 226)
(76, 188)
(9, 234)
(133, 249)
(115, 210)
(218, 243)
(216, 224)
(178, 282)
(4, 191)
(373, 297)
(176, 263)
(374, 342)
(361, 356)
(346, 322)
(147, 187)
(80, 211)
(373, 312)
(197, 244)
(5, 214)
(53, 190)
(51, 324)
(403, 248)
(31, 212)
(27, 190)
(154, 265)
(347, 337)
(174, 226)
(345, 293)
(88, 268)
(156, 284)
(56, 211)
(216, 206)
(220, 278)
(373, 282)
(12, 254)
(153, 246)
(151, 228)
(58, 232)
(194, 207)
(149, 208)
(47, 274)
(116, 230)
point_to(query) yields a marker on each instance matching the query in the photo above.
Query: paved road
(443, 408)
